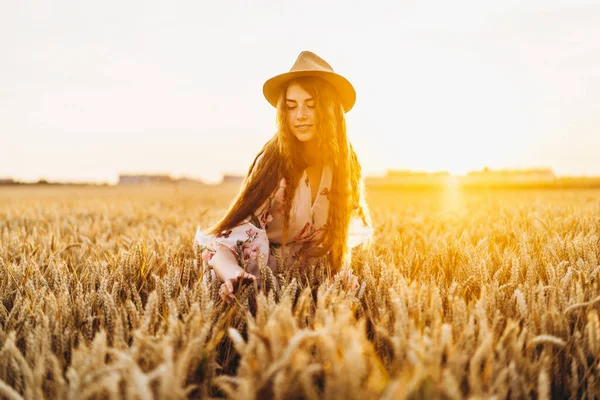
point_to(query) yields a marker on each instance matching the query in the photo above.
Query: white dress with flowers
(262, 232)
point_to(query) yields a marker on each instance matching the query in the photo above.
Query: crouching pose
(303, 195)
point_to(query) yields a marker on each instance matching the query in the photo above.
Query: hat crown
(308, 60)
(310, 64)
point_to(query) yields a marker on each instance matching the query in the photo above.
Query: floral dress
(262, 231)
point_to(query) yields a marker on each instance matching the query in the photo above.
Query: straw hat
(310, 64)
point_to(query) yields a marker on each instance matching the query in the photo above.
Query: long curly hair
(281, 157)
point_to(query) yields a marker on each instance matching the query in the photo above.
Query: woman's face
(300, 110)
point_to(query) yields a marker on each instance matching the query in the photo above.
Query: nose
(301, 113)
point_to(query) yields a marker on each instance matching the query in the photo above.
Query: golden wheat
(472, 294)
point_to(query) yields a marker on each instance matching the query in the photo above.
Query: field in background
(464, 293)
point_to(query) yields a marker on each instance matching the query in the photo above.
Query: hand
(232, 282)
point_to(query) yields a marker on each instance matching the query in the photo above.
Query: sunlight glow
(101, 89)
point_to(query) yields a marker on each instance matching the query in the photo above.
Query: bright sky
(89, 90)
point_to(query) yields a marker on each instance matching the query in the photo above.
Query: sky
(89, 90)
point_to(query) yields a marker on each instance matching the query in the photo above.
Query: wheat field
(473, 294)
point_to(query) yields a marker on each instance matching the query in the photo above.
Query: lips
(303, 127)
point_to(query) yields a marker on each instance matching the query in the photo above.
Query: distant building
(408, 178)
(232, 179)
(408, 173)
(144, 179)
(535, 175)
(7, 181)
(189, 181)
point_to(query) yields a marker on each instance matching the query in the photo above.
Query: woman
(303, 195)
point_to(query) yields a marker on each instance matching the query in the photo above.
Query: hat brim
(272, 87)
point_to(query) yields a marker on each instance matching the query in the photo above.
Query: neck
(311, 153)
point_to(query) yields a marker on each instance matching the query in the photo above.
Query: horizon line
(388, 173)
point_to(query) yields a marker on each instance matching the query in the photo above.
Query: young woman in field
(303, 195)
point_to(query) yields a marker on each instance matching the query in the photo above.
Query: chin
(303, 137)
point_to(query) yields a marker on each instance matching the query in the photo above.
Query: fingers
(226, 291)
(229, 286)
(246, 275)
(224, 297)
(240, 278)
(223, 293)
(227, 298)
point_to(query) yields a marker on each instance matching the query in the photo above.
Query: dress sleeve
(247, 240)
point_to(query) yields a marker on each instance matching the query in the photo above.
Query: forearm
(224, 262)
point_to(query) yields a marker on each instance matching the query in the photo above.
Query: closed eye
(291, 107)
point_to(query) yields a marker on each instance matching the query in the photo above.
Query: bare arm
(227, 270)
(224, 262)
